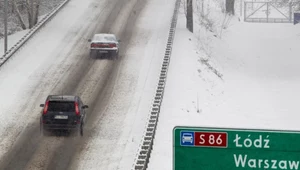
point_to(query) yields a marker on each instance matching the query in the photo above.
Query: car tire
(43, 131)
(111, 55)
(114, 55)
(41, 128)
(93, 54)
(117, 55)
(81, 130)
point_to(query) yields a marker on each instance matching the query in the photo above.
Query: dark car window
(58, 106)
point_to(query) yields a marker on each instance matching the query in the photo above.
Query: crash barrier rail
(31, 32)
(143, 155)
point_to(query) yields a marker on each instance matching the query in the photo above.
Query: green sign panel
(197, 148)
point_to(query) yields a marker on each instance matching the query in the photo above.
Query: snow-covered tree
(23, 14)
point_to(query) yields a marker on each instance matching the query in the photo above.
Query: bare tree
(18, 14)
(32, 9)
(230, 6)
(189, 15)
(36, 11)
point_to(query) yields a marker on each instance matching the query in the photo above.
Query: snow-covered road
(119, 93)
(246, 77)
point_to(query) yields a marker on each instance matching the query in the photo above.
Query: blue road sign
(187, 138)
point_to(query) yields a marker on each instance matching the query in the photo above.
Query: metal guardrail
(31, 32)
(143, 155)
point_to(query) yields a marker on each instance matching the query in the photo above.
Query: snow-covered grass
(247, 78)
(11, 40)
(15, 33)
(13, 23)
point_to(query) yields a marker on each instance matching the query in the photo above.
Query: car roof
(104, 38)
(62, 98)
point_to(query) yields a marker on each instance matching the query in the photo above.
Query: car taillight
(46, 107)
(112, 45)
(93, 45)
(77, 108)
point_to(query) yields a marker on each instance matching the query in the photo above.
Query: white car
(187, 137)
(104, 44)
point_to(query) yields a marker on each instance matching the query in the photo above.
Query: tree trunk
(202, 8)
(230, 6)
(19, 16)
(36, 12)
(189, 16)
(32, 14)
(28, 12)
(12, 7)
(29, 7)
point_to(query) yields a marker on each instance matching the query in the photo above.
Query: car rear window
(58, 106)
(109, 38)
(105, 38)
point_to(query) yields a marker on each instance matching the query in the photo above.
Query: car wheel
(80, 131)
(93, 53)
(111, 55)
(114, 55)
(41, 130)
(44, 132)
(117, 55)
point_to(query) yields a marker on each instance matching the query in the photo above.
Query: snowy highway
(228, 73)
(56, 61)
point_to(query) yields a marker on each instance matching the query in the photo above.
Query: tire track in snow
(24, 149)
(28, 149)
(102, 95)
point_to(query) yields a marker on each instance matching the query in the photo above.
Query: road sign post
(296, 18)
(196, 148)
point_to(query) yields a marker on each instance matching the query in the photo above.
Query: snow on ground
(20, 76)
(13, 25)
(134, 87)
(23, 73)
(253, 81)
(15, 37)
(11, 40)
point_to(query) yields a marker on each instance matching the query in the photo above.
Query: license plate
(60, 117)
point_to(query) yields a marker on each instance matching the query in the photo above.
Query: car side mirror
(85, 106)
(89, 40)
(42, 105)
